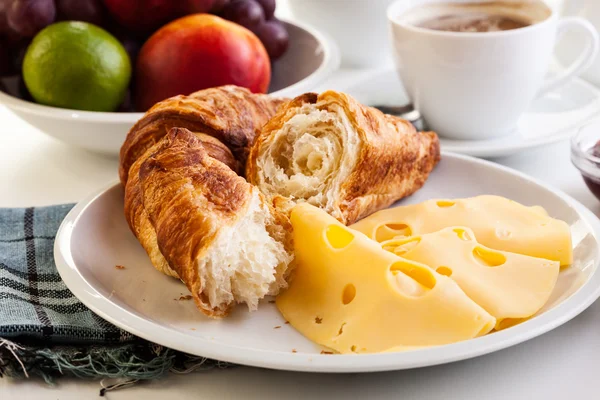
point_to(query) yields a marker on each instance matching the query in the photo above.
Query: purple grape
(23, 91)
(274, 37)
(91, 11)
(15, 86)
(12, 38)
(247, 13)
(5, 64)
(18, 51)
(268, 7)
(4, 4)
(28, 17)
(196, 6)
(11, 85)
(218, 6)
(127, 104)
(132, 47)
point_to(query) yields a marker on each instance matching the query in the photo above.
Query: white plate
(553, 117)
(94, 237)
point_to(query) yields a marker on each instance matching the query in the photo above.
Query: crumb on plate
(326, 352)
(277, 327)
(119, 266)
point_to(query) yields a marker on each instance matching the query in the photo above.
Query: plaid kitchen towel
(34, 301)
(45, 330)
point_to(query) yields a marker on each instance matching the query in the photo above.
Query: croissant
(346, 158)
(215, 230)
(135, 213)
(225, 118)
(230, 113)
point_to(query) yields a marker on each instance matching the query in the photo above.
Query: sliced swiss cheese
(498, 223)
(350, 295)
(509, 286)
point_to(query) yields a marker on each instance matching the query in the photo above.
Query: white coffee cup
(476, 85)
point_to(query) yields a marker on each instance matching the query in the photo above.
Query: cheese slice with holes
(509, 286)
(350, 295)
(498, 223)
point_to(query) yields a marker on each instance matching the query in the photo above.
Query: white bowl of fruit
(84, 71)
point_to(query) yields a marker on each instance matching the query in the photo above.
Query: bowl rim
(331, 62)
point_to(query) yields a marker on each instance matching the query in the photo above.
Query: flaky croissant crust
(231, 114)
(136, 214)
(189, 196)
(394, 159)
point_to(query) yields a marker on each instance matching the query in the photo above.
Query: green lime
(77, 65)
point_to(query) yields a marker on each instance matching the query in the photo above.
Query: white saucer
(550, 118)
(94, 238)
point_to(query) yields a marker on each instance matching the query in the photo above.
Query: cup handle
(584, 61)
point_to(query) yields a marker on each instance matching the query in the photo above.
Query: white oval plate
(94, 238)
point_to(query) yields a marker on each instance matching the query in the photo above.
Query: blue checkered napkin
(34, 301)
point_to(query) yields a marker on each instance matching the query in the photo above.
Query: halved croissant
(135, 213)
(346, 158)
(215, 230)
(225, 119)
(232, 114)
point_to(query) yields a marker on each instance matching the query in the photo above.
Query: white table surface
(37, 170)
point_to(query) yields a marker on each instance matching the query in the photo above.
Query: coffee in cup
(474, 22)
(472, 68)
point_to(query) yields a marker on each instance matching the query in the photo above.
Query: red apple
(197, 52)
(143, 16)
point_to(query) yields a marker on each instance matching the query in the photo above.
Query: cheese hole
(390, 231)
(463, 234)
(390, 245)
(418, 273)
(405, 247)
(348, 294)
(353, 348)
(338, 237)
(487, 257)
(444, 271)
(445, 203)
